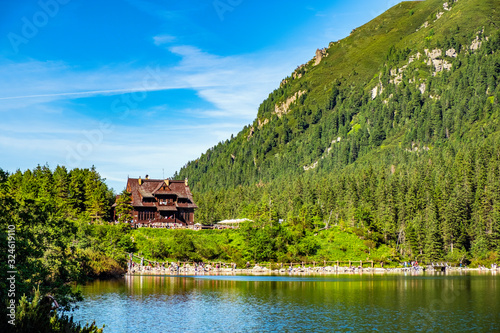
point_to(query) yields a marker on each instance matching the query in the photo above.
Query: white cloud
(42, 125)
(235, 85)
(115, 150)
(163, 39)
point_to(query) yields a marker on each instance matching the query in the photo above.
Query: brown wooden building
(162, 203)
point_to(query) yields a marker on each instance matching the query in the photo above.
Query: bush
(97, 264)
(39, 315)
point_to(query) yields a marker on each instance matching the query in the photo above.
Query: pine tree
(433, 242)
(124, 207)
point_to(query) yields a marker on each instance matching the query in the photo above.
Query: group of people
(202, 267)
(177, 267)
(494, 266)
(412, 264)
(160, 225)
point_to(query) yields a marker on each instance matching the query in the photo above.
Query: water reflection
(295, 304)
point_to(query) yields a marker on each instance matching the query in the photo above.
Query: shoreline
(330, 270)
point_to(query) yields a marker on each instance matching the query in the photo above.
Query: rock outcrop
(476, 44)
(451, 53)
(262, 122)
(320, 54)
(422, 88)
(436, 61)
(284, 107)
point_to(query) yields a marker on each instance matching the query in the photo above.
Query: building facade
(161, 202)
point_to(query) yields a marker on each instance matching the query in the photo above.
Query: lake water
(343, 303)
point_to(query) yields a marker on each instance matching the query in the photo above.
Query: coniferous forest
(384, 147)
(406, 152)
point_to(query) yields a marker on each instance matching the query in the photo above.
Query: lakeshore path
(297, 270)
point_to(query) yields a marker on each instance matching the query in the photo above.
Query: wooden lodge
(161, 203)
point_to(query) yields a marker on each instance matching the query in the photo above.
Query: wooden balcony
(160, 222)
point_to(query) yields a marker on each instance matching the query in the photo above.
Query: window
(146, 215)
(186, 216)
(166, 201)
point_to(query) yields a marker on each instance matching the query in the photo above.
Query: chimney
(186, 182)
(140, 180)
(167, 181)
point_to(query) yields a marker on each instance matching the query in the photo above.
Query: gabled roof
(149, 188)
(159, 186)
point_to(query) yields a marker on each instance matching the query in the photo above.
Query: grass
(334, 244)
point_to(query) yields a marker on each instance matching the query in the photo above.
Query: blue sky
(138, 87)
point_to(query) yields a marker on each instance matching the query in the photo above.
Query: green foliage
(97, 264)
(124, 207)
(256, 243)
(65, 194)
(411, 170)
(50, 240)
(37, 316)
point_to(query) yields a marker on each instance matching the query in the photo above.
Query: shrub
(39, 315)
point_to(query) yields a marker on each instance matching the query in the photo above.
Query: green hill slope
(393, 130)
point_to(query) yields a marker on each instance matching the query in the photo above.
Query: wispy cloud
(47, 124)
(55, 81)
(153, 149)
(89, 93)
(163, 39)
(233, 84)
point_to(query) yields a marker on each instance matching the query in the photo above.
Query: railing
(162, 223)
(160, 220)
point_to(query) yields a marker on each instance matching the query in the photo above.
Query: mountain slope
(393, 130)
(347, 74)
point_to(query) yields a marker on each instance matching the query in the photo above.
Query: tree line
(417, 171)
(55, 233)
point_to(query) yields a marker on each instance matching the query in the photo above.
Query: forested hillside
(393, 131)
